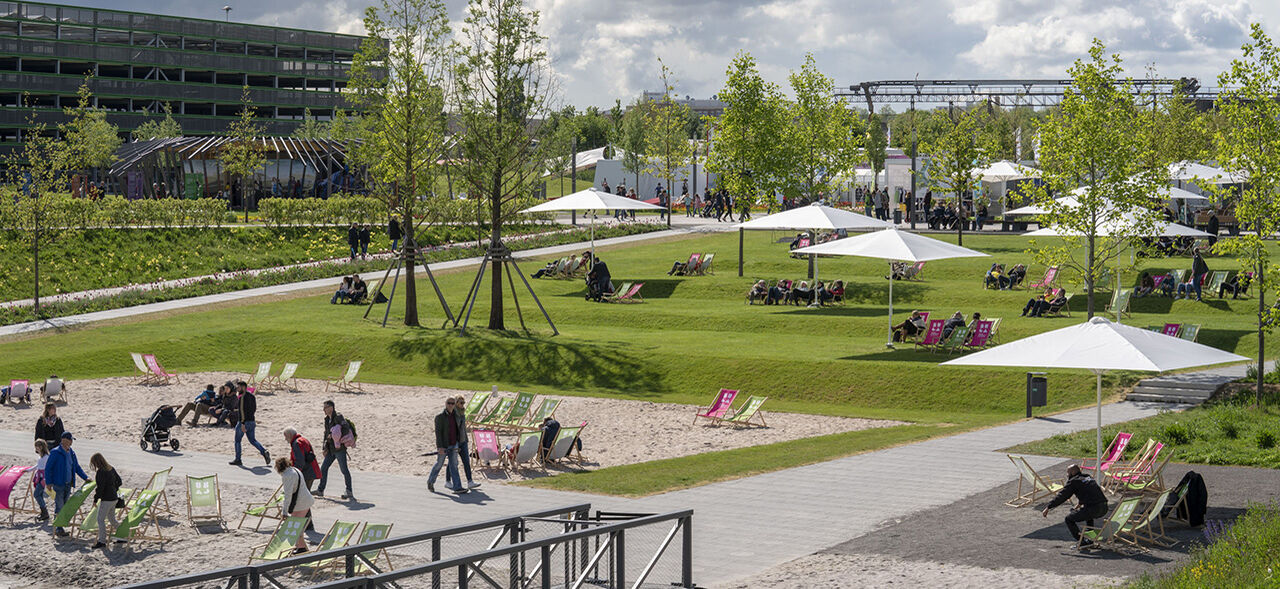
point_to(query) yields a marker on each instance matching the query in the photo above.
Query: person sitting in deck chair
(823, 293)
(201, 406)
(1236, 285)
(837, 291)
(227, 408)
(1017, 274)
(800, 293)
(898, 270)
(778, 293)
(344, 292)
(955, 321)
(795, 243)
(1091, 503)
(545, 270)
(910, 328)
(56, 386)
(8, 390)
(759, 292)
(1146, 285)
(359, 290)
(996, 278)
(1036, 306)
(550, 429)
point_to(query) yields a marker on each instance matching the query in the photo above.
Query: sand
(400, 418)
(873, 570)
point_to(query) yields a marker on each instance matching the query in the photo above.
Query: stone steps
(1188, 389)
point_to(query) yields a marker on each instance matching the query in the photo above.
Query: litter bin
(897, 216)
(1037, 390)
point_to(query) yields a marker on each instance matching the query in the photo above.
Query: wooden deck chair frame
(633, 295)
(200, 519)
(748, 411)
(1141, 464)
(7, 494)
(1189, 331)
(1108, 534)
(624, 287)
(272, 508)
(88, 526)
(1050, 278)
(59, 395)
(143, 373)
(527, 451)
(1144, 528)
(347, 382)
(368, 561)
(536, 416)
(74, 503)
(332, 542)
(704, 267)
(1113, 454)
(163, 475)
(1061, 311)
(520, 408)
(564, 443)
(288, 524)
(955, 341)
(1148, 482)
(994, 337)
(142, 506)
(14, 396)
(261, 377)
(285, 381)
(923, 341)
(162, 375)
(497, 412)
(1216, 281)
(719, 406)
(1039, 486)
(475, 405)
(477, 446)
(1120, 300)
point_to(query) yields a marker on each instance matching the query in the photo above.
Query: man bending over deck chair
(1091, 503)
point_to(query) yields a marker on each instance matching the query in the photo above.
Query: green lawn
(691, 337)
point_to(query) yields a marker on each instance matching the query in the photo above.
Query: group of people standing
(57, 468)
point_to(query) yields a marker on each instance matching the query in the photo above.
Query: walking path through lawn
(741, 527)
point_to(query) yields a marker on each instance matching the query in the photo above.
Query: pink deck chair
(1140, 470)
(1050, 276)
(1157, 282)
(924, 316)
(8, 480)
(631, 296)
(1114, 453)
(692, 264)
(1171, 329)
(156, 369)
(933, 334)
(19, 390)
(719, 408)
(980, 336)
(486, 446)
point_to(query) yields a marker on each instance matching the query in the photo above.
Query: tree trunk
(410, 253)
(495, 241)
(1088, 276)
(35, 247)
(1262, 334)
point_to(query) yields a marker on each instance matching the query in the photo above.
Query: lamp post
(227, 9)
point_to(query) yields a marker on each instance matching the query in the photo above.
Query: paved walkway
(741, 527)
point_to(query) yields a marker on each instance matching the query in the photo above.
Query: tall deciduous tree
(89, 141)
(34, 172)
(244, 155)
(503, 87)
(824, 138)
(965, 143)
(1097, 144)
(746, 150)
(398, 78)
(667, 146)
(1247, 145)
(165, 128)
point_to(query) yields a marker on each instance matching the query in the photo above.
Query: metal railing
(424, 546)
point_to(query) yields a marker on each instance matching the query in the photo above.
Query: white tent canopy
(892, 245)
(1100, 345)
(814, 217)
(1004, 170)
(591, 200)
(1190, 171)
(1161, 229)
(1164, 192)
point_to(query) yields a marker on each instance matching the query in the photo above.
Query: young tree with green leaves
(244, 155)
(1247, 145)
(876, 145)
(667, 146)
(1095, 147)
(398, 78)
(165, 128)
(89, 141)
(503, 86)
(822, 135)
(747, 147)
(35, 172)
(965, 143)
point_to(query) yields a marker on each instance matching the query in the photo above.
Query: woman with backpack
(303, 458)
(339, 434)
(297, 499)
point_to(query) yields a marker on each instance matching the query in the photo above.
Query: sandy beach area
(395, 421)
(854, 571)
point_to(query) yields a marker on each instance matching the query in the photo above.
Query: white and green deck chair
(476, 404)
(526, 451)
(1189, 331)
(282, 541)
(498, 412)
(1144, 526)
(547, 408)
(1032, 486)
(563, 444)
(284, 381)
(1108, 536)
(347, 384)
(158, 481)
(1179, 277)
(260, 377)
(519, 410)
(141, 518)
(747, 412)
(373, 533)
(338, 536)
(143, 374)
(89, 525)
(704, 265)
(68, 516)
(1120, 303)
(271, 509)
(1216, 281)
(204, 501)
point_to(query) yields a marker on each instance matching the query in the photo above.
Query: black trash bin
(1037, 390)
(897, 216)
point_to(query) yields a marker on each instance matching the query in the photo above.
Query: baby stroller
(155, 430)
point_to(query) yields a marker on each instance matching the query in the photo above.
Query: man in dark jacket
(1198, 270)
(60, 473)
(365, 236)
(334, 450)
(353, 239)
(248, 409)
(394, 233)
(1091, 502)
(449, 430)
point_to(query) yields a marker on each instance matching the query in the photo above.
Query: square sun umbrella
(895, 246)
(592, 200)
(812, 218)
(1100, 345)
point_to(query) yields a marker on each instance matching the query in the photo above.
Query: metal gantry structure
(1014, 92)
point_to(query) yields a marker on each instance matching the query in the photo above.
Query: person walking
(365, 237)
(303, 458)
(394, 233)
(459, 409)
(60, 473)
(353, 239)
(49, 426)
(297, 499)
(248, 407)
(1198, 269)
(37, 479)
(447, 436)
(105, 495)
(335, 448)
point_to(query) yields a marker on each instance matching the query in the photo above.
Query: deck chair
(143, 374)
(1115, 452)
(1135, 469)
(1107, 536)
(1189, 331)
(563, 443)
(691, 265)
(141, 518)
(748, 411)
(1037, 485)
(1150, 480)
(157, 483)
(932, 334)
(1120, 303)
(718, 408)
(1149, 525)
(8, 480)
(979, 338)
(1179, 277)
(526, 452)
(262, 376)
(338, 536)
(282, 542)
(485, 443)
(954, 341)
(271, 509)
(347, 384)
(89, 525)
(624, 287)
(995, 330)
(53, 390)
(162, 376)
(285, 381)
(19, 391)
(68, 516)
(547, 408)
(1171, 329)
(519, 410)
(631, 295)
(1216, 281)
(476, 404)
(498, 412)
(368, 561)
(1060, 310)
(203, 494)
(914, 271)
(1050, 278)
(704, 267)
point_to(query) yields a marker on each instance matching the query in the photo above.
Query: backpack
(352, 427)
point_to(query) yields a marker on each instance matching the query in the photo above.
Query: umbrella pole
(888, 342)
(1098, 441)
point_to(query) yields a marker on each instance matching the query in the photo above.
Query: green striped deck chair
(1144, 528)
(747, 412)
(204, 501)
(955, 341)
(1036, 485)
(282, 541)
(476, 404)
(1107, 536)
(547, 408)
(89, 525)
(141, 518)
(499, 411)
(1179, 277)
(563, 444)
(519, 410)
(271, 509)
(66, 517)
(1189, 331)
(338, 536)
(263, 375)
(367, 561)
(1216, 281)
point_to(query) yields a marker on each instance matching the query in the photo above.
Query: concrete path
(741, 527)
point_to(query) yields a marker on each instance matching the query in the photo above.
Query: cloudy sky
(607, 49)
